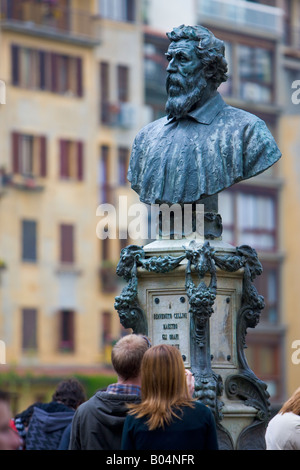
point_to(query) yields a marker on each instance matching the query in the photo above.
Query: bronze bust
(203, 145)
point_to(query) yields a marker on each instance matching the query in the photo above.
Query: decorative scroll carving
(254, 393)
(130, 312)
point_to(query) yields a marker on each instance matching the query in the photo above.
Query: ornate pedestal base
(198, 296)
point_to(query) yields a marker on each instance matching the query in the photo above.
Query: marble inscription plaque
(169, 321)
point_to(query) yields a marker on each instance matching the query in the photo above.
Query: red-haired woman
(168, 418)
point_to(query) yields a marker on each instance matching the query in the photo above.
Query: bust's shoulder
(152, 127)
(238, 115)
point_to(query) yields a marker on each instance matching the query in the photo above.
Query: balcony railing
(242, 14)
(21, 182)
(46, 17)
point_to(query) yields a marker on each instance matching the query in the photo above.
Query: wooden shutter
(15, 152)
(54, 72)
(67, 243)
(79, 76)
(67, 330)
(15, 64)
(123, 85)
(122, 164)
(104, 92)
(130, 10)
(43, 157)
(80, 161)
(42, 70)
(64, 159)
(29, 328)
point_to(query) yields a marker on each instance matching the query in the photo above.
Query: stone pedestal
(199, 297)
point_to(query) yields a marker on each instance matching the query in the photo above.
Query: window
(106, 328)
(256, 74)
(44, 70)
(123, 83)
(67, 243)
(122, 165)
(71, 160)
(263, 357)
(67, 333)
(29, 329)
(29, 155)
(105, 249)
(29, 235)
(250, 72)
(249, 219)
(118, 10)
(267, 285)
(103, 176)
(104, 93)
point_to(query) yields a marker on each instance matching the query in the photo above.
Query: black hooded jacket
(98, 423)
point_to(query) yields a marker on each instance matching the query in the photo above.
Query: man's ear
(211, 69)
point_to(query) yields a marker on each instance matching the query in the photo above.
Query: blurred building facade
(74, 102)
(81, 77)
(262, 49)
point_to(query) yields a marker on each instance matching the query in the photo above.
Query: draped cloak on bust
(210, 149)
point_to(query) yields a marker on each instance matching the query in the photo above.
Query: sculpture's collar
(206, 113)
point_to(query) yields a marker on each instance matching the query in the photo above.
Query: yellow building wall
(290, 229)
(36, 284)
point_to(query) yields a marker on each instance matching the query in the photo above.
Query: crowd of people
(150, 407)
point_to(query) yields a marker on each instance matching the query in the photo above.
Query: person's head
(164, 386)
(292, 405)
(127, 355)
(69, 392)
(9, 438)
(197, 67)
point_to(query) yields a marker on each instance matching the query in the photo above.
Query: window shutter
(29, 328)
(67, 325)
(130, 10)
(79, 76)
(15, 69)
(15, 153)
(42, 70)
(29, 240)
(67, 243)
(63, 155)
(43, 157)
(123, 85)
(54, 72)
(80, 161)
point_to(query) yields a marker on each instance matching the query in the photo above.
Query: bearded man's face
(186, 82)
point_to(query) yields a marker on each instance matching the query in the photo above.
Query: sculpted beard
(183, 93)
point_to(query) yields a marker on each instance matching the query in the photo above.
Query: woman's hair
(292, 405)
(164, 386)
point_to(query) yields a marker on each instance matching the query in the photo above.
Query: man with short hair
(98, 423)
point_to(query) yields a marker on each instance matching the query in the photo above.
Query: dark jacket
(98, 423)
(47, 425)
(195, 430)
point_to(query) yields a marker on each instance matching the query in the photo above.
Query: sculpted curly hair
(209, 49)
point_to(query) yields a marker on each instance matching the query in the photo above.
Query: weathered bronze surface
(203, 145)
